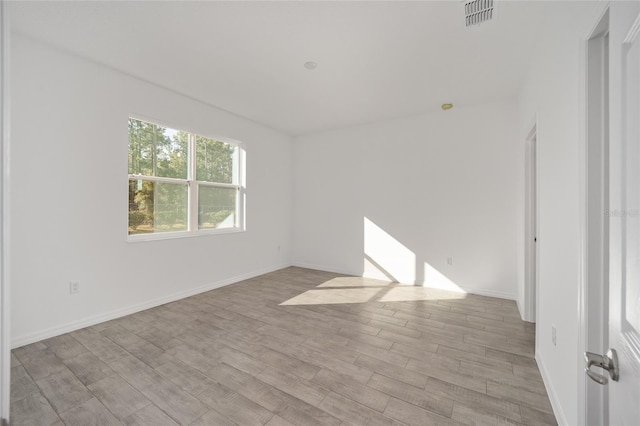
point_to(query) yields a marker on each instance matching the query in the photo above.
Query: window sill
(181, 234)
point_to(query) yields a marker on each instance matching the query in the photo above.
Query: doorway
(5, 354)
(596, 203)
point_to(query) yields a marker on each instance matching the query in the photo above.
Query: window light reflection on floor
(391, 273)
(361, 290)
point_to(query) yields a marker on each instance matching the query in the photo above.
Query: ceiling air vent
(478, 11)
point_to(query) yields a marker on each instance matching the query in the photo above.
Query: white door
(624, 255)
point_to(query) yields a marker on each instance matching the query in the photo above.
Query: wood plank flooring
(293, 347)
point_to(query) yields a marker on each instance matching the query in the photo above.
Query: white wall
(410, 193)
(554, 91)
(69, 200)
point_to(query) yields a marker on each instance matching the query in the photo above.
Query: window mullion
(218, 185)
(193, 185)
(159, 179)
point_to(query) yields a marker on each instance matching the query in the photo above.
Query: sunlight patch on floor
(355, 282)
(391, 273)
(341, 290)
(328, 296)
(415, 293)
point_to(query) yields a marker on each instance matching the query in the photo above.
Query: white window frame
(193, 186)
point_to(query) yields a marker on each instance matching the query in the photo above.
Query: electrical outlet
(450, 261)
(74, 287)
(553, 334)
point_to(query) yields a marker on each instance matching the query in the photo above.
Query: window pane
(216, 207)
(157, 151)
(215, 160)
(156, 207)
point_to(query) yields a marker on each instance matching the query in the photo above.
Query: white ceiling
(376, 60)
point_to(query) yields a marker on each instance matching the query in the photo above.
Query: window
(181, 183)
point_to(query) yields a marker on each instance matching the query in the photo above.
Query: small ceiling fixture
(311, 65)
(446, 107)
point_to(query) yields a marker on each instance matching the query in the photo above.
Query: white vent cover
(478, 11)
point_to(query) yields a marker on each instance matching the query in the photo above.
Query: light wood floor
(293, 347)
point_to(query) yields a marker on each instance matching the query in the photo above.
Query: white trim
(324, 268)
(583, 48)
(169, 235)
(582, 218)
(633, 32)
(117, 313)
(193, 191)
(561, 418)
(5, 315)
(175, 181)
(179, 181)
(491, 293)
(519, 306)
(217, 185)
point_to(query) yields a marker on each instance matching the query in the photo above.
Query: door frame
(593, 198)
(531, 256)
(5, 342)
(5, 349)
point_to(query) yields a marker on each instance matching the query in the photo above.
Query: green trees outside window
(176, 175)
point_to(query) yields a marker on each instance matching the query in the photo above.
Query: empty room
(320, 213)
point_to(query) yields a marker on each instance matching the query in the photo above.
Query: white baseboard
(520, 309)
(16, 342)
(107, 316)
(492, 293)
(324, 268)
(553, 396)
